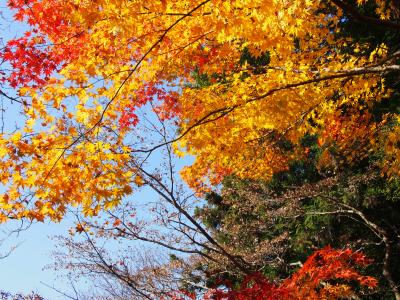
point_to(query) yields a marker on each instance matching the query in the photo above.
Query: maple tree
(326, 274)
(253, 226)
(83, 68)
(311, 281)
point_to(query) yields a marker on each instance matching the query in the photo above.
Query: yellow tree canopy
(86, 65)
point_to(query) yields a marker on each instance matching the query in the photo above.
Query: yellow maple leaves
(71, 150)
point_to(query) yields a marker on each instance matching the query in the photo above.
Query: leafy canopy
(273, 71)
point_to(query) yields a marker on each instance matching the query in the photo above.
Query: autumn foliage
(258, 90)
(85, 68)
(327, 274)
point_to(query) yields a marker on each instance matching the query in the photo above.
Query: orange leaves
(112, 57)
(317, 279)
(329, 264)
(32, 57)
(256, 109)
(79, 228)
(89, 175)
(352, 135)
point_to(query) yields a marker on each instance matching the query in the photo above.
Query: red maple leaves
(33, 57)
(327, 274)
(30, 63)
(167, 106)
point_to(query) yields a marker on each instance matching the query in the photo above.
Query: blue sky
(22, 270)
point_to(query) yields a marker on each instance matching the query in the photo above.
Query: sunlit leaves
(86, 67)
